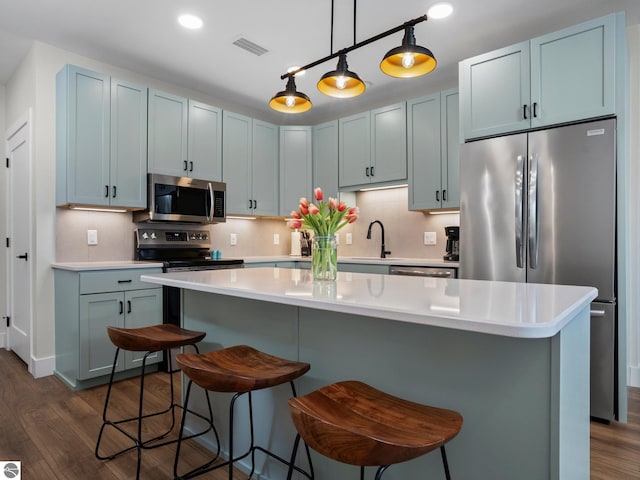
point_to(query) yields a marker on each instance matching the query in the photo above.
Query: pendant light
(409, 60)
(290, 100)
(341, 82)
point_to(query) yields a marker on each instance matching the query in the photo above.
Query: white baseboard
(633, 376)
(42, 367)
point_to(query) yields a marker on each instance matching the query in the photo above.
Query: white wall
(633, 344)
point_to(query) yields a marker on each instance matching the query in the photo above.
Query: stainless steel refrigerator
(540, 207)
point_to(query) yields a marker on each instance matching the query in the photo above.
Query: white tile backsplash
(403, 232)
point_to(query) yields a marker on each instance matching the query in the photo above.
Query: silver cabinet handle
(597, 313)
(519, 225)
(533, 211)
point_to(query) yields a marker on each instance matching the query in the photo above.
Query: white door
(19, 233)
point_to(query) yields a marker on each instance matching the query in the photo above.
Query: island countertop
(509, 309)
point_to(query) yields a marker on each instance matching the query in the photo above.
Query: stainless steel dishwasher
(436, 272)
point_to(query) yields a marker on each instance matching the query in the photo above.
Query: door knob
(25, 257)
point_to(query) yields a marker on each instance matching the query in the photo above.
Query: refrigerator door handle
(519, 224)
(597, 313)
(533, 211)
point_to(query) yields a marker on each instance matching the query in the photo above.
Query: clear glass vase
(324, 257)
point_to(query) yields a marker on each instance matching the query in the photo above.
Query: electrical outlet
(92, 237)
(276, 239)
(349, 239)
(233, 239)
(429, 238)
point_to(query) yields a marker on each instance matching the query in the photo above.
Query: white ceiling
(143, 36)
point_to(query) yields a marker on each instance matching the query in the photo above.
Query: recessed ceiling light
(440, 10)
(190, 21)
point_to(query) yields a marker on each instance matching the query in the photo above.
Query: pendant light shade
(409, 60)
(341, 83)
(290, 100)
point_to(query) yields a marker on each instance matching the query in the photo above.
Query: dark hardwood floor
(52, 431)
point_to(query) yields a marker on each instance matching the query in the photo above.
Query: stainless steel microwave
(184, 200)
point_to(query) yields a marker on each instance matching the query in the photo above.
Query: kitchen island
(512, 358)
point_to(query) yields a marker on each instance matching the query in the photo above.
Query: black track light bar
(399, 28)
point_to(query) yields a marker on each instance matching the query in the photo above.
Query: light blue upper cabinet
(128, 144)
(101, 126)
(237, 133)
(450, 143)
(295, 166)
(354, 143)
(265, 185)
(168, 116)
(494, 91)
(373, 147)
(204, 142)
(185, 137)
(389, 144)
(572, 73)
(561, 77)
(250, 165)
(325, 158)
(433, 151)
(424, 152)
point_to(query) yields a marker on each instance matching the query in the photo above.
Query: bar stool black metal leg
(380, 471)
(445, 463)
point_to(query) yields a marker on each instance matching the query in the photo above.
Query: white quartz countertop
(499, 308)
(417, 262)
(114, 265)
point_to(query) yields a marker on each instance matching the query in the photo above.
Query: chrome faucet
(383, 252)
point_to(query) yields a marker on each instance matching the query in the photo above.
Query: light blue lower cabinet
(84, 352)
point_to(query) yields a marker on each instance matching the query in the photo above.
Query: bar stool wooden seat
(241, 370)
(354, 423)
(149, 339)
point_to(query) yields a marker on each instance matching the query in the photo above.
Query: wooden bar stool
(241, 370)
(356, 424)
(148, 339)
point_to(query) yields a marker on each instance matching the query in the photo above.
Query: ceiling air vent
(249, 46)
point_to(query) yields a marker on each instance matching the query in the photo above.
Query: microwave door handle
(519, 225)
(211, 202)
(533, 211)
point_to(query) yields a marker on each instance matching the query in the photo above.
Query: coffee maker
(453, 243)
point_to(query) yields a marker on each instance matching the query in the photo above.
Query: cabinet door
(97, 312)
(142, 308)
(205, 142)
(265, 168)
(167, 134)
(494, 91)
(389, 143)
(128, 145)
(295, 167)
(85, 95)
(325, 158)
(424, 153)
(236, 168)
(450, 142)
(354, 154)
(573, 73)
